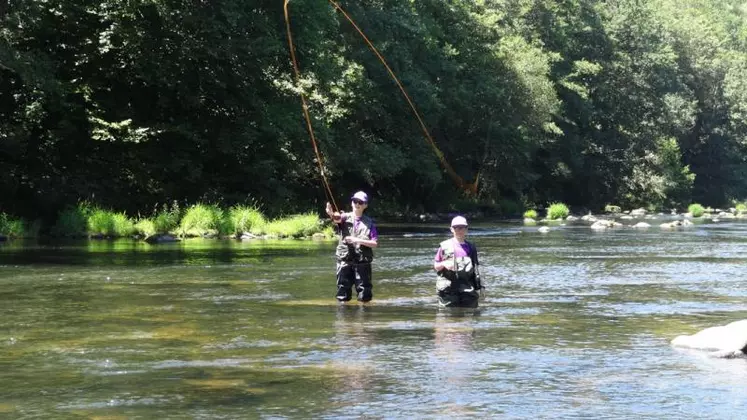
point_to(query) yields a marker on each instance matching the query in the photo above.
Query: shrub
(557, 211)
(167, 219)
(609, 208)
(145, 227)
(100, 222)
(741, 208)
(247, 219)
(530, 214)
(294, 226)
(14, 228)
(695, 209)
(73, 221)
(202, 219)
(122, 225)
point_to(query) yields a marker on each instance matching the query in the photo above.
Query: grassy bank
(199, 220)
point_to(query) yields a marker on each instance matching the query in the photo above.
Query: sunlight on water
(574, 324)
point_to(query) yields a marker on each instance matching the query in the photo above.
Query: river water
(574, 324)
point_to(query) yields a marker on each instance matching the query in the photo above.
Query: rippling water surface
(575, 324)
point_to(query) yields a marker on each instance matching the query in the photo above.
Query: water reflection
(354, 363)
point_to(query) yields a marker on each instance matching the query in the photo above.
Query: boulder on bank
(161, 238)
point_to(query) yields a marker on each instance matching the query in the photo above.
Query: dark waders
(354, 273)
(457, 299)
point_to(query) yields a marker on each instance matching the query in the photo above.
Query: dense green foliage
(530, 214)
(557, 211)
(696, 210)
(203, 220)
(132, 104)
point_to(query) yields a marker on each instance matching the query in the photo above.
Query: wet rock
(641, 225)
(161, 238)
(676, 224)
(589, 218)
(727, 341)
(543, 229)
(605, 224)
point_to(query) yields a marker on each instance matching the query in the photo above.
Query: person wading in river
(358, 237)
(457, 267)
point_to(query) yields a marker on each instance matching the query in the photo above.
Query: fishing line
(469, 188)
(305, 106)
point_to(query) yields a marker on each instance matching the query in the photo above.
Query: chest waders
(458, 287)
(354, 260)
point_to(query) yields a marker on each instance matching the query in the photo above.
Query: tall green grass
(205, 219)
(164, 221)
(73, 220)
(198, 220)
(557, 211)
(295, 226)
(108, 223)
(247, 219)
(695, 209)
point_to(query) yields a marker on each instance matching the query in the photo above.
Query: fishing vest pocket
(442, 283)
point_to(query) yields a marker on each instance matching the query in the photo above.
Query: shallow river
(574, 324)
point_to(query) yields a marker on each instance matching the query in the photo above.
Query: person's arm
(439, 263)
(336, 216)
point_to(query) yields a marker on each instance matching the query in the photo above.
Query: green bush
(203, 219)
(557, 211)
(122, 225)
(247, 219)
(145, 227)
(100, 222)
(73, 221)
(695, 209)
(167, 220)
(609, 208)
(741, 207)
(294, 226)
(108, 223)
(530, 214)
(13, 228)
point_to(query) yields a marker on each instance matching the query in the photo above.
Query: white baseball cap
(360, 195)
(458, 221)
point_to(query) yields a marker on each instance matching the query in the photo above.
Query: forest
(137, 104)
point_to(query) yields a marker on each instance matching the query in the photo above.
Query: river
(574, 324)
